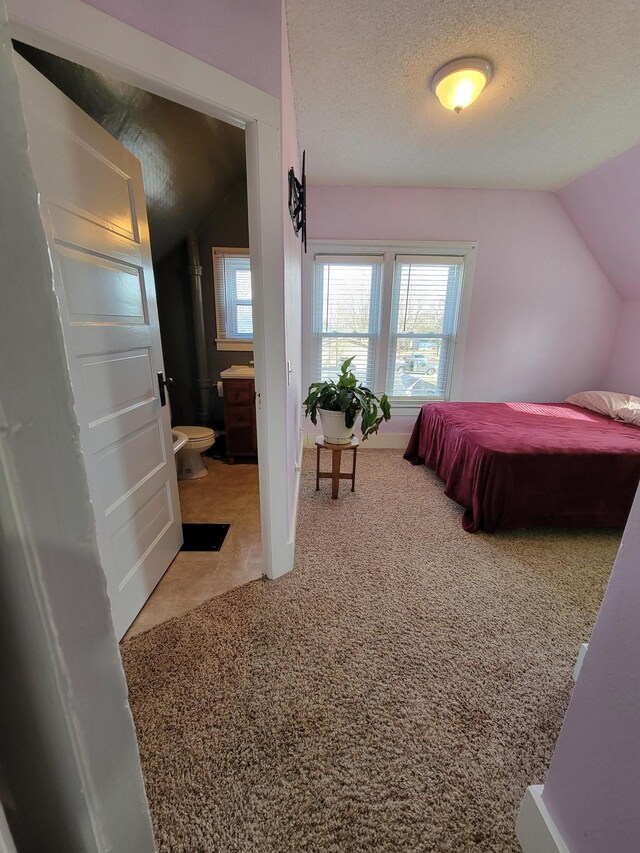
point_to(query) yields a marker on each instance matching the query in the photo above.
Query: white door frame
(78, 32)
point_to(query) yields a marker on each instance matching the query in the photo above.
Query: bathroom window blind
(233, 298)
(425, 305)
(346, 315)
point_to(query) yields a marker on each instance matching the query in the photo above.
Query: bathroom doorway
(194, 169)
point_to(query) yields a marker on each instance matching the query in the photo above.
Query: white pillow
(605, 402)
(631, 412)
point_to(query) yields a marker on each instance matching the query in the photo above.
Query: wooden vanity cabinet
(240, 417)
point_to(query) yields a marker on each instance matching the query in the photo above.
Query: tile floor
(229, 494)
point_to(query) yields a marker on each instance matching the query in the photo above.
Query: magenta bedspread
(529, 464)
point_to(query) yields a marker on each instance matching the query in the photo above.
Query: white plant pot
(333, 427)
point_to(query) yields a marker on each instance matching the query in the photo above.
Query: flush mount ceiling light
(457, 84)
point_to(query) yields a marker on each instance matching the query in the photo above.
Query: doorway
(80, 33)
(195, 186)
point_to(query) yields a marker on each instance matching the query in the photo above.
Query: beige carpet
(396, 692)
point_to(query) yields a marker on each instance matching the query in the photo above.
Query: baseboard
(375, 442)
(535, 829)
(296, 498)
(580, 660)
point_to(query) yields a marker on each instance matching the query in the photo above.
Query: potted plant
(339, 404)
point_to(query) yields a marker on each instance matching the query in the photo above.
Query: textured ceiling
(190, 162)
(564, 97)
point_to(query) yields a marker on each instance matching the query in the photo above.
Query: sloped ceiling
(190, 162)
(563, 98)
(604, 205)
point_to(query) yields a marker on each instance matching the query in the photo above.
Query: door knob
(162, 384)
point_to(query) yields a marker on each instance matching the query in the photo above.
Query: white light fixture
(457, 84)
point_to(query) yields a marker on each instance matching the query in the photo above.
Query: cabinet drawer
(241, 431)
(238, 392)
(238, 418)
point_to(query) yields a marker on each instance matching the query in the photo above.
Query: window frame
(225, 343)
(450, 307)
(373, 334)
(466, 250)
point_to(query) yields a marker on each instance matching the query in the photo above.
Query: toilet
(189, 462)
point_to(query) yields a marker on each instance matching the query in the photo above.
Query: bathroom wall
(176, 329)
(226, 227)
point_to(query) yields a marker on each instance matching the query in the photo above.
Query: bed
(514, 465)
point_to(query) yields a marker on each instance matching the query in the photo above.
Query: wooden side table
(336, 459)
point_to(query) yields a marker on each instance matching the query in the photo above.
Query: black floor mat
(203, 537)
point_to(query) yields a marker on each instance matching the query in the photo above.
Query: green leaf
(344, 399)
(351, 397)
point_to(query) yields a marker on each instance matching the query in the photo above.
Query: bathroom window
(232, 283)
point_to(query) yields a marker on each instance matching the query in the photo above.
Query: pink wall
(604, 205)
(241, 37)
(591, 790)
(543, 314)
(292, 274)
(623, 371)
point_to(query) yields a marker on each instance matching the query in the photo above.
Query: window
(346, 314)
(232, 283)
(399, 314)
(424, 316)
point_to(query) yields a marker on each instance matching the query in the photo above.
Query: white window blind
(346, 314)
(425, 305)
(232, 283)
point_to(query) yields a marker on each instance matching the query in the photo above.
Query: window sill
(410, 406)
(237, 346)
(414, 402)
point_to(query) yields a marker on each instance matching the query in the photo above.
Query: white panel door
(93, 210)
